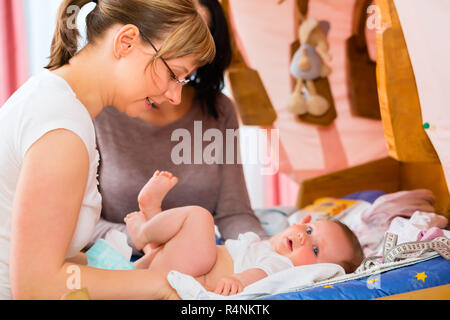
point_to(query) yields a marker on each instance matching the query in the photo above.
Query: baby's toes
(174, 181)
(132, 216)
(167, 174)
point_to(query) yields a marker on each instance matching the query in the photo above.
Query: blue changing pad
(423, 275)
(367, 195)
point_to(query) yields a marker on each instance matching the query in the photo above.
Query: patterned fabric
(428, 274)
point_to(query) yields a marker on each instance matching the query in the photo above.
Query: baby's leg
(188, 237)
(136, 229)
(153, 193)
(146, 260)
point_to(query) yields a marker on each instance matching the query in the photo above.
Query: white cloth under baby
(249, 252)
(288, 280)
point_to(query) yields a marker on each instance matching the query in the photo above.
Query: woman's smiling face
(306, 243)
(139, 80)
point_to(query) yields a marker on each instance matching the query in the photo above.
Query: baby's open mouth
(290, 244)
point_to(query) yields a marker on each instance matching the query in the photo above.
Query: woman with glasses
(49, 198)
(130, 157)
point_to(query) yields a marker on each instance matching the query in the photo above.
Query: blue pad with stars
(423, 275)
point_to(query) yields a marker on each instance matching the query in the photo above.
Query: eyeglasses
(173, 76)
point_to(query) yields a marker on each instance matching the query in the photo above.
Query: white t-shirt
(249, 252)
(44, 103)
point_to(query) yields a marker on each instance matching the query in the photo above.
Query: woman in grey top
(129, 157)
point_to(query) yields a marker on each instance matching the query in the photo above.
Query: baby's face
(310, 243)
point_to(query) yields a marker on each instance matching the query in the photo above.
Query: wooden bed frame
(412, 162)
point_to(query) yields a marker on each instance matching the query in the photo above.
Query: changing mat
(423, 275)
(303, 276)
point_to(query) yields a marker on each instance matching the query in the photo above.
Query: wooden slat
(427, 176)
(399, 101)
(324, 89)
(249, 94)
(435, 293)
(303, 6)
(381, 175)
(361, 70)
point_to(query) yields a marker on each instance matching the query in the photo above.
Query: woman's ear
(125, 40)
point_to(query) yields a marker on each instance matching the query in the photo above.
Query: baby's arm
(237, 282)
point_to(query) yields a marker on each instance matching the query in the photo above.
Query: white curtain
(40, 17)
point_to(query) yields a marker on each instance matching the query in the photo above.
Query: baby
(183, 239)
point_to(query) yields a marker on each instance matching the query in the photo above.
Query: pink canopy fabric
(266, 30)
(429, 50)
(13, 61)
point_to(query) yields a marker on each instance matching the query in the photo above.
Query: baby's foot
(153, 193)
(135, 222)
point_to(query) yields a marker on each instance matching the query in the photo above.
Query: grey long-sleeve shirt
(131, 150)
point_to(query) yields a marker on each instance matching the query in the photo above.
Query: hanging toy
(309, 64)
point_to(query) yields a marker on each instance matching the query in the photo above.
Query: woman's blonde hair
(175, 23)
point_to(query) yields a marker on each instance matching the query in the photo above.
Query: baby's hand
(229, 286)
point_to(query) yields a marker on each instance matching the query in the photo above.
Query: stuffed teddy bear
(307, 65)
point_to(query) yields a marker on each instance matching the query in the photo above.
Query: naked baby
(183, 239)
